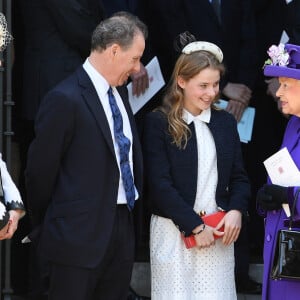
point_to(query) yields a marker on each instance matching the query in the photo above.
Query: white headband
(204, 46)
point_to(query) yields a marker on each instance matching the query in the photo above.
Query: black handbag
(286, 262)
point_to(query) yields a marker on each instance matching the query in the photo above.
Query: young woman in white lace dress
(193, 162)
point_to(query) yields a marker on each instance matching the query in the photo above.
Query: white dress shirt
(102, 86)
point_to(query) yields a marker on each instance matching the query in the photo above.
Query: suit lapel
(92, 100)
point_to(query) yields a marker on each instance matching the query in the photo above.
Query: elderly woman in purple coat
(284, 63)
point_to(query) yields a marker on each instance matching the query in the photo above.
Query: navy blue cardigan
(171, 173)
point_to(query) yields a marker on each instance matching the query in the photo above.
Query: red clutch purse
(211, 220)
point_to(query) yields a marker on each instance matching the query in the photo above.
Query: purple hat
(284, 61)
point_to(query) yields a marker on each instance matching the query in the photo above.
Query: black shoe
(132, 295)
(248, 287)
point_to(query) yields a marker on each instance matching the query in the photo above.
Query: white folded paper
(283, 171)
(156, 82)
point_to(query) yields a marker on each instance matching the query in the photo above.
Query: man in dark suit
(76, 192)
(53, 40)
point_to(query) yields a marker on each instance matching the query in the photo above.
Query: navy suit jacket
(57, 37)
(171, 172)
(72, 173)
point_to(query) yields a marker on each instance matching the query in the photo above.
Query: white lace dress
(178, 273)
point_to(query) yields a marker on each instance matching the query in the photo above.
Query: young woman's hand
(233, 224)
(204, 236)
(8, 231)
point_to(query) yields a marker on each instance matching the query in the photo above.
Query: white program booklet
(156, 82)
(283, 171)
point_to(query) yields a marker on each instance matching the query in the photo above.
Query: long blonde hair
(187, 66)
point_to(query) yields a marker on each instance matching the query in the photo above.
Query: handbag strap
(294, 208)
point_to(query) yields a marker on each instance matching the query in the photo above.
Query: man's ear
(114, 48)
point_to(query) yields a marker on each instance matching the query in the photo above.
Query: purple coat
(281, 289)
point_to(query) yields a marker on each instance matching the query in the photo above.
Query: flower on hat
(278, 56)
(5, 36)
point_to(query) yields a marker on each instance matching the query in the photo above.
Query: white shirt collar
(204, 116)
(98, 80)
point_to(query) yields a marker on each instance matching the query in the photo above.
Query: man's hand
(236, 108)
(237, 91)
(140, 81)
(239, 96)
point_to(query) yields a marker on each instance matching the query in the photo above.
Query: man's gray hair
(120, 28)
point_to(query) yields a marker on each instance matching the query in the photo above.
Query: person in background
(82, 195)
(283, 63)
(193, 162)
(293, 21)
